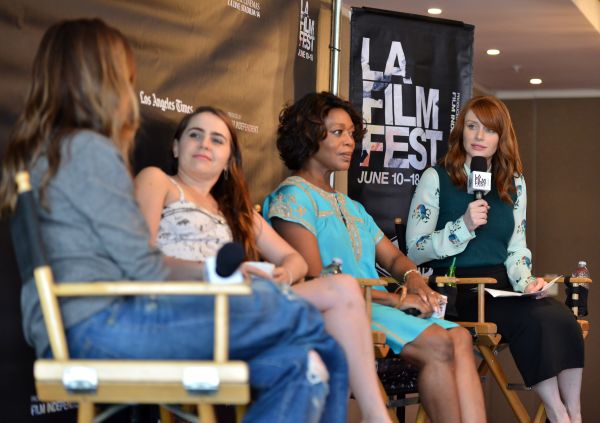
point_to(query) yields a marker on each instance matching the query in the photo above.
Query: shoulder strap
(181, 196)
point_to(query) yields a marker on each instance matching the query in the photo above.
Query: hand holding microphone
(476, 214)
(480, 182)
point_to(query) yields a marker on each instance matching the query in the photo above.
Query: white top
(189, 232)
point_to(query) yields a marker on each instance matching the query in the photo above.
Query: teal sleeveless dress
(344, 229)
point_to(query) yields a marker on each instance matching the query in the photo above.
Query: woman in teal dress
(316, 137)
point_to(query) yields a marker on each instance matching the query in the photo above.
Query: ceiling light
(493, 52)
(535, 81)
(434, 11)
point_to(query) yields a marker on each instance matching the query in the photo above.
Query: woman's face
(335, 151)
(204, 147)
(477, 139)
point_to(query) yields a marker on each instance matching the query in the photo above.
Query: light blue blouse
(345, 230)
(424, 243)
(333, 218)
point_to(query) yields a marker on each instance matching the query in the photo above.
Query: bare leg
(569, 385)
(470, 394)
(550, 395)
(341, 302)
(432, 352)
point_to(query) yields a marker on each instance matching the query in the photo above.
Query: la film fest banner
(409, 75)
(248, 57)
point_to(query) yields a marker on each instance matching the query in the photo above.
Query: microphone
(480, 180)
(224, 267)
(229, 258)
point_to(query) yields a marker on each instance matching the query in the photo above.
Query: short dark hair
(302, 127)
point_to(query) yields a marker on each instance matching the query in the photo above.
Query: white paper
(497, 293)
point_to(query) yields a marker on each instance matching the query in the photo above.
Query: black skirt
(543, 335)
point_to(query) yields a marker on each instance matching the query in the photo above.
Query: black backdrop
(249, 57)
(409, 75)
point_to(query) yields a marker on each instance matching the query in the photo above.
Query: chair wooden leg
(482, 369)
(540, 415)
(240, 410)
(511, 396)
(421, 415)
(165, 415)
(86, 412)
(206, 413)
(386, 401)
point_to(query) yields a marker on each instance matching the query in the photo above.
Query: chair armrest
(465, 281)
(484, 333)
(116, 288)
(143, 381)
(571, 279)
(48, 292)
(480, 328)
(379, 344)
(480, 282)
(372, 282)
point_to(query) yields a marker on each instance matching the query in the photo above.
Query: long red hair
(231, 190)
(506, 162)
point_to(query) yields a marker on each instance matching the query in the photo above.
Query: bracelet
(402, 295)
(408, 272)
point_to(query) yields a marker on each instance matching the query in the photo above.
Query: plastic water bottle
(582, 270)
(578, 291)
(333, 268)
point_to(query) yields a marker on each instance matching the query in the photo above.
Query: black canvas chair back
(25, 231)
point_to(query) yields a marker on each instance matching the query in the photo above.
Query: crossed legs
(470, 395)
(446, 361)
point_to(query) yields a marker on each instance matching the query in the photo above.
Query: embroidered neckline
(337, 201)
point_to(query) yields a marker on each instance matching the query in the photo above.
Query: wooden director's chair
(91, 382)
(397, 377)
(488, 342)
(490, 361)
(394, 387)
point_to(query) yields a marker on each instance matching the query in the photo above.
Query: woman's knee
(347, 289)
(461, 339)
(434, 344)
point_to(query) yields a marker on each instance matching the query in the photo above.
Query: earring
(226, 173)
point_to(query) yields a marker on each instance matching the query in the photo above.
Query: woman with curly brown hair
(487, 238)
(316, 137)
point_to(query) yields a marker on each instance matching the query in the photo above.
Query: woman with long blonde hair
(74, 138)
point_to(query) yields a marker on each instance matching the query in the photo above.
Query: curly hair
(230, 192)
(506, 162)
(302, 127)
(82, 79)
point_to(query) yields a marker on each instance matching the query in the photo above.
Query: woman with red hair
(486, 237)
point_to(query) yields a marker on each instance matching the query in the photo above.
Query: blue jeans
(273, 330)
